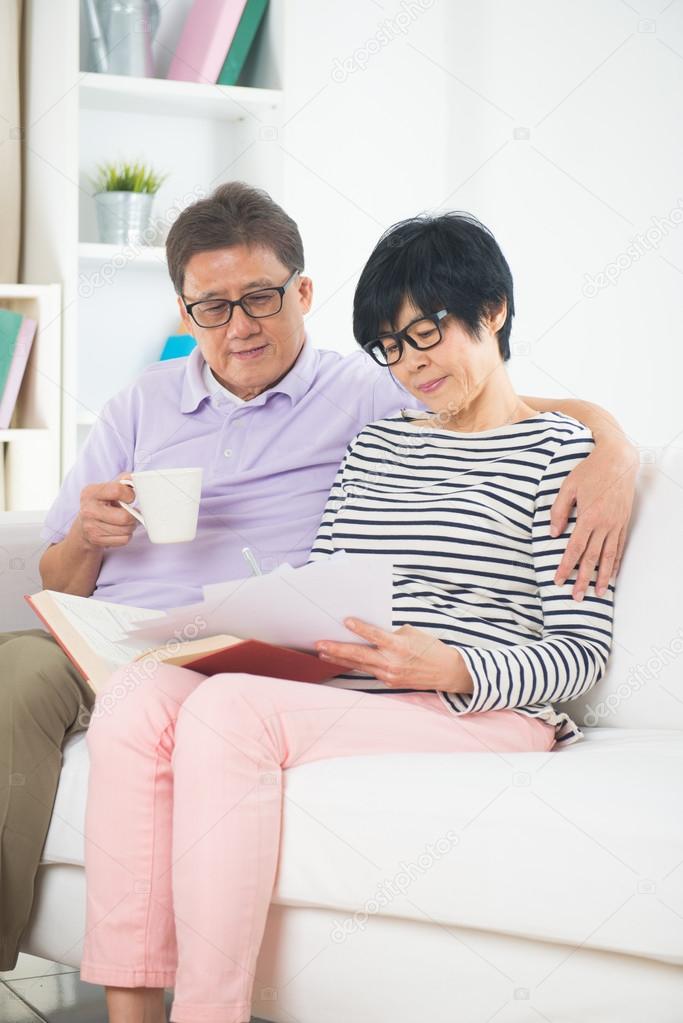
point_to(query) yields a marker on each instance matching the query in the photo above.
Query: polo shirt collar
(194, 389)
(300, 378)
(296, 383)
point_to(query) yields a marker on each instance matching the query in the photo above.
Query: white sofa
(477, 887)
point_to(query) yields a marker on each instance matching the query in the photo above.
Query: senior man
(268, 417)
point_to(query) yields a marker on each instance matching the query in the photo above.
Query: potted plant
(124, 194)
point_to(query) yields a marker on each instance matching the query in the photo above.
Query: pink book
(205, 40)
(15, 375)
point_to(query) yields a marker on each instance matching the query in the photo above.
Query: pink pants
(184, 813)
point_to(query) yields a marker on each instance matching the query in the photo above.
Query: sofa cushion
(579, 846)
(642, 686)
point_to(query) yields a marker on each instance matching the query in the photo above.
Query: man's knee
(31, 670)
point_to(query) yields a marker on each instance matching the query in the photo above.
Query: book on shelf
(95, 637)
(16, 337)
(242, 42)
(177, 345)
(205, 40)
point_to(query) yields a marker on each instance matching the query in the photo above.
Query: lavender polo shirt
(268, 466)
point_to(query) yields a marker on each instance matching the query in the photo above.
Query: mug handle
(133, 511)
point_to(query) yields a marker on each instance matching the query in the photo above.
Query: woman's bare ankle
(135, 1005)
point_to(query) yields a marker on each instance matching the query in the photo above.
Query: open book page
(183, 624)
(105, 626)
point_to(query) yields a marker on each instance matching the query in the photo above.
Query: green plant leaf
(123, 176)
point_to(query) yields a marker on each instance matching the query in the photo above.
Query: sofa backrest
(643, 684)
(20, 551)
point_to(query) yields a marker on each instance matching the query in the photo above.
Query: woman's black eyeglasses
(216, 312)
(425, 332)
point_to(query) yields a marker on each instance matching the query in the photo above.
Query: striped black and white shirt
(465, 518)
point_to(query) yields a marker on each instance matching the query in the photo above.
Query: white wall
(365, 137)
(557, 123)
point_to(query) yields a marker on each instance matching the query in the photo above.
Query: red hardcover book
(86, 630)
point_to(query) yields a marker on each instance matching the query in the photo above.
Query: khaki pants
(43, 699)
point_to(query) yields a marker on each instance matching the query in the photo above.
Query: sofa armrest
(20, 552)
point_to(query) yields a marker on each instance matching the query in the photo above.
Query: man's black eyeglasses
(216, 312)
(425, 332)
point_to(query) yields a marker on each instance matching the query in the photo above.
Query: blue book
(177, 345)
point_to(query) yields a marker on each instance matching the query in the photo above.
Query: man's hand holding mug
(168, 507)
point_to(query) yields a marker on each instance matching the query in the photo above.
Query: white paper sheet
(292, 607)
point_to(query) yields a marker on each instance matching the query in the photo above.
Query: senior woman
(185, 799)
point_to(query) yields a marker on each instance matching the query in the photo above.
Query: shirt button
(227, 452)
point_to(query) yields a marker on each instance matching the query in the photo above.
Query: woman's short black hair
(437, 261)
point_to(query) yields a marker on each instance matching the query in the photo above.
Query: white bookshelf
(117, 303)
(17, 433)
(164, 97)
(143, 255)
(30, 448)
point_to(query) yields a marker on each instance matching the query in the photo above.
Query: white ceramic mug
(169, 503)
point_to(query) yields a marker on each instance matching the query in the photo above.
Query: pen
(251, 561)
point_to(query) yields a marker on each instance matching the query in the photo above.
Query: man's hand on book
(101, 521)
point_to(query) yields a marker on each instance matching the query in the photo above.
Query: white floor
(39, 991)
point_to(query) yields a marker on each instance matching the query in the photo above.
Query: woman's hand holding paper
(408, 656)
